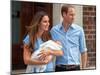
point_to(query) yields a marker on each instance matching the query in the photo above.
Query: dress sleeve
(26, 40)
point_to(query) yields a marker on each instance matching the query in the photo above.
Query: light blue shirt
(73, 42)
(50, 66)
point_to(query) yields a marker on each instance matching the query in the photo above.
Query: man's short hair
(65, 8)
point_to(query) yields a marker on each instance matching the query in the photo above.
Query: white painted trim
(83, 2)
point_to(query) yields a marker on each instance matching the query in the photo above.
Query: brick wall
(89, 21)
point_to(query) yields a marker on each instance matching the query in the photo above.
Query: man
(72, 39)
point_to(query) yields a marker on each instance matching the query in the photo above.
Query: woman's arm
(27, 57)
(44, 53)
(57, 52)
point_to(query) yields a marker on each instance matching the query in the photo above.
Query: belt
(68, 66)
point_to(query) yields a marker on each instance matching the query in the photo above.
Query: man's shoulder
(77, 27)
(56, 27)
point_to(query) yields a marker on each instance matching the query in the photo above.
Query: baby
(41, 68)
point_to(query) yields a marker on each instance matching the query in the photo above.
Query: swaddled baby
(41, 68)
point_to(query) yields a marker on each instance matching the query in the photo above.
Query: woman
(38, 32)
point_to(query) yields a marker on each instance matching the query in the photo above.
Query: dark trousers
(67, 68)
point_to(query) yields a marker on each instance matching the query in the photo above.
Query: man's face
(70, 16)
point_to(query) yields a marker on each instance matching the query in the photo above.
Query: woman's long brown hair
(33, 29)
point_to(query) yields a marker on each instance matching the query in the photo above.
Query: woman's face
(44, 24)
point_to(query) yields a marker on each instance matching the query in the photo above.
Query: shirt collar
(71, 26)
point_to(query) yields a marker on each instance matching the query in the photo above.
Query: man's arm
(83, 60)
(83, 49)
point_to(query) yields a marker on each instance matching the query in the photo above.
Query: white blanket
(41, 68)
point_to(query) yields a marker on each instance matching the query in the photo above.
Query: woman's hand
(44, 54)
(47, 59)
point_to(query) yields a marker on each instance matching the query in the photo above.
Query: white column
(79, 15)
(57, 13)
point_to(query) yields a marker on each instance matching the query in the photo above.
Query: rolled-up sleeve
(82, 42)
